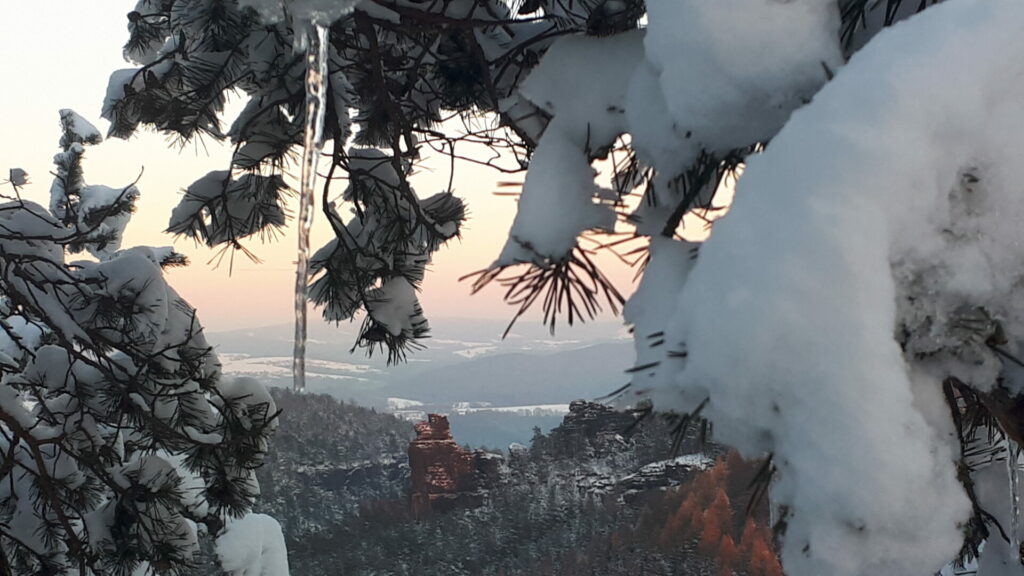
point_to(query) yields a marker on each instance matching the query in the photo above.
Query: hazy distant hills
(465, 361)
(523, 378)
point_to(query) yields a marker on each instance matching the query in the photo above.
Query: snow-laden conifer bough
(856, 316)
(873, 251)
(121, 445)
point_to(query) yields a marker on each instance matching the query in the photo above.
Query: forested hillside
(327, 457)
(600, 494)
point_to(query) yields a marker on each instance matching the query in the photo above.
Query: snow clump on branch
(873, 251)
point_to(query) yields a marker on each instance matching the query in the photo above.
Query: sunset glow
(73, 72)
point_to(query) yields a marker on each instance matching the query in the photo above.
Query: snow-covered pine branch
(856, 315)
(396, 72)
(858, 312)
(120, 443)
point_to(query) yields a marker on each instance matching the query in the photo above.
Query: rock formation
(596, 420)
(444, 475)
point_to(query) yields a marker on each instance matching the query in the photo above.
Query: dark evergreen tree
(120, 442)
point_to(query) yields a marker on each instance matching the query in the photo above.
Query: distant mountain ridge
(520, 378)
(465, 361)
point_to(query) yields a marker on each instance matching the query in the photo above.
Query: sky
(60, 53)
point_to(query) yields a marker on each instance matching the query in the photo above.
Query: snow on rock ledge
(788, 317)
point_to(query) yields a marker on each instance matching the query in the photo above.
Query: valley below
(495, 391)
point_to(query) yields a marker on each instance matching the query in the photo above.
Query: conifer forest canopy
(856, 317)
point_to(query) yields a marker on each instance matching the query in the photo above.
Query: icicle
(316, 108)
(1012, 466)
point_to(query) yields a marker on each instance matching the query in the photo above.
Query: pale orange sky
(59, 54)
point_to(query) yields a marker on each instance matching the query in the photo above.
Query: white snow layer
(731, 71)
(321, 12)
(17, 177)
(703, 76)
(18, 337)
(899, 180)
(395, 307)
(669, 266)
(557, 203)
(79, 129)
(579, 82)
(575, 82)
(253, 545)
(252, 397)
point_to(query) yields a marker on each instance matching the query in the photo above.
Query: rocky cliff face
(596, 420)
(588, 450)
(602, 493)
(604, 451)
(444, 475)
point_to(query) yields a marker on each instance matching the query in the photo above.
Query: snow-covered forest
(818, 197)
